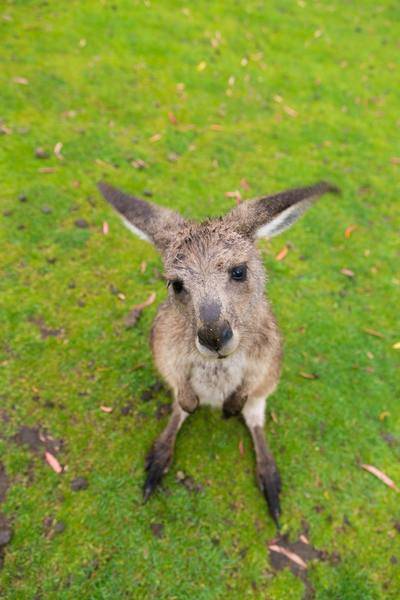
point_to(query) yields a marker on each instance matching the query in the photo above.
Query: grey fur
(236, 375)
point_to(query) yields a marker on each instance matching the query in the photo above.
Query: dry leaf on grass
(290, 111)
(235, 194)
(216, 127)
(380, 475)
(347, 272)
(139, 164)
(57, 151)
(303, 539)
(21, 80)
(53, 462)
(282, 253)
(241, 448)
(155, 138)
(290, 555)
(373, 332)
(47, 170)
(69, 114)
(308, 375)
(106, 409)
(5, 130)
(349, 230)
(136, 311)
(172, 118)
(383, 415)
(103, 163)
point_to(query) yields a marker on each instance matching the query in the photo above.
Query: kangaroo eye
(177, 284)
(239, 273)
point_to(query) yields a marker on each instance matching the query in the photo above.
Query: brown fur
(234, 403)
(237, 374)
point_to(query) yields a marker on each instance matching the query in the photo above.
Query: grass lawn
(213, 97)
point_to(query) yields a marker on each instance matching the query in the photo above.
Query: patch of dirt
(163, 410)
(5, 536)
(41, 153)
(146, 395)
(5, 526)
(37, 440)
(296, 556)
(51, 527)
(127, 409)
(79, 483)
(4, 482)
(157, 529)
(5, 417)
(152, 391)
(189, 483)
(45, 331)
(392, 441)
(81, 224)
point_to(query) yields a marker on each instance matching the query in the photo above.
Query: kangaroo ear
(268, 216)
(150, 222)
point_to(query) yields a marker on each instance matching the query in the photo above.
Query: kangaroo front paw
(270, 485)
(188, 402)
(157, 462)
(228, 412)
(233, 405)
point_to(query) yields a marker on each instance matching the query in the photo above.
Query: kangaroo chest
(214, 380)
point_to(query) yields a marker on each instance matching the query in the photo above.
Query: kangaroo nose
(215, 337)
(226, 334)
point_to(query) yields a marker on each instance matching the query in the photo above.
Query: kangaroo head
(214, 273)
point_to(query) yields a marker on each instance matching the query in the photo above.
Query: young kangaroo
(215, 339)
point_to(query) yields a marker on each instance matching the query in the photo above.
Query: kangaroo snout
(215, 336)
(216, 340)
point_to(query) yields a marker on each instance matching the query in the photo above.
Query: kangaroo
(215, 339)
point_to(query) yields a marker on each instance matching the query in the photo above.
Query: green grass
(118, 66)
